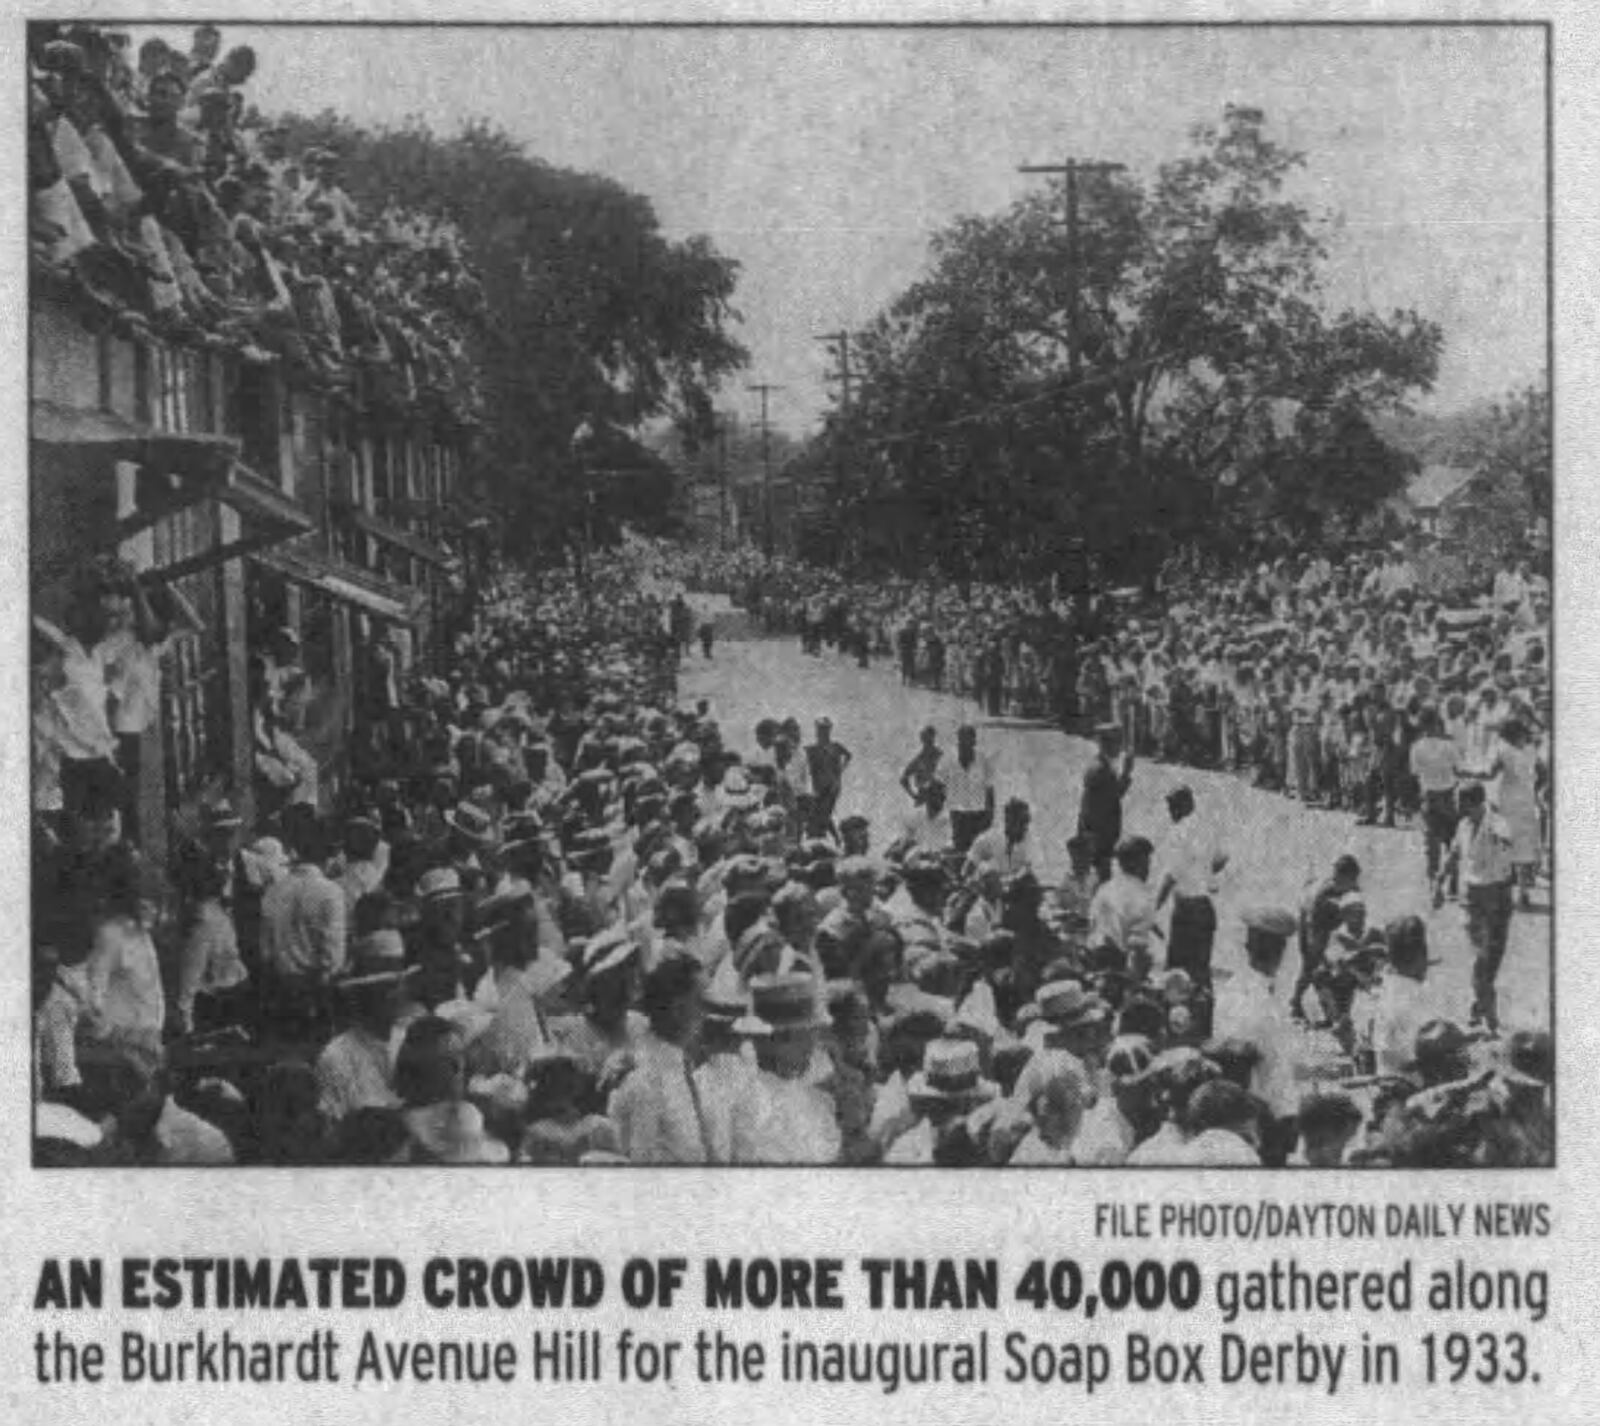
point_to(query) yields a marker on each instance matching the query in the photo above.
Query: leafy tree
(1508, 446)
(596, 320)
(1201, 320)
(1510, 443)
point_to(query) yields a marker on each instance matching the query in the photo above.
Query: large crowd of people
(1310, 676)
(164, 205)
(553, 916)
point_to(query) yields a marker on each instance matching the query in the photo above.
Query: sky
(823, 160)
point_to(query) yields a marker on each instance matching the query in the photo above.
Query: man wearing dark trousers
(1482, 854)
(969, 787)
(1100, 809)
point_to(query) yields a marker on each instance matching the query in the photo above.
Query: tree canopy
(1219, 397)
(596, 322)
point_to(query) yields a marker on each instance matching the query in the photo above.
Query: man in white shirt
(1194, 862)
(1250, 1009)
(356, 1068)
(1433, 764)
(792, 781)
(969, 788)
(1482, 853)
(366, 859)
(1123, 911)
(1403, 1004)
(658, 1111)
(1008, 848)
(303, 926)
(1510, 590)
(124, 977)
(927, 827)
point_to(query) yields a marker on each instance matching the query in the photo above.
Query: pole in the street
(766, 388)
(838, 343)
(1072, 168)
(719, 433)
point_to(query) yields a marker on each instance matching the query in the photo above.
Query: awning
(467, 514)
(370, 592)
(267, 515)
(381, 529)
(461, 513)
(118, 438)
(178, 470)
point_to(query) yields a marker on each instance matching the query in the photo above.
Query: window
(143, 381)
(106, 371)
(382, 473)
(169, 396)
(202, 391)
(253, 417)
(195, 720)
(360, 468)
(317, 638)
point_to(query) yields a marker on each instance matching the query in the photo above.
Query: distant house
(1431, 492)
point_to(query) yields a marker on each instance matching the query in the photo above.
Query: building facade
(265, 503)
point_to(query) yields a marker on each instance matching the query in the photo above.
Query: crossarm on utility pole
(1072, 168)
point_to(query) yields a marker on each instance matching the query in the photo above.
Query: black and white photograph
(856, 595)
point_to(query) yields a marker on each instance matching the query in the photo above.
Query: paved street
(1277, 846)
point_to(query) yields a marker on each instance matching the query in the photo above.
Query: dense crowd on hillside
(554, 917)
(164, 206)
(1316, 677)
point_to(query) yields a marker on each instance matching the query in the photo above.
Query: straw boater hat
(472, 822)
(1067, 1003)
(378, 958)
(265, 860)
(220, 816)
(453, 1133)
(951, 1073)
(1129, 1058)
(727, 1004)
(1270, 921)
(438, 883)
(744, 873)
(737, 791)
(608, 952)
(788, 1003)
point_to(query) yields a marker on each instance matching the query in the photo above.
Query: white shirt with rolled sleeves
(1249, 1008)
(658, 1114)
(1189, 857)
(356, 1071)
(303, 920)
(795, 1121)
(991, 850)
(1485, 851)
(967, 789)
(927, 834)
(124, 974)
(1433, 764)
(133, 680)
(1123, 912)
(1401, 1007)
(732, 1106)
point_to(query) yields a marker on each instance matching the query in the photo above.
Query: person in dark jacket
(1105, 782)
(1319, 919)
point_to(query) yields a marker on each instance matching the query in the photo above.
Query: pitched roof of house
(1435, 484)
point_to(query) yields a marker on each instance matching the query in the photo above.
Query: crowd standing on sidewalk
(553, 917)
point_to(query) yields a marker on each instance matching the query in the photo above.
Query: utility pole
(720, 435)
(1072, 168)
(766, 388)
(838, 343)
